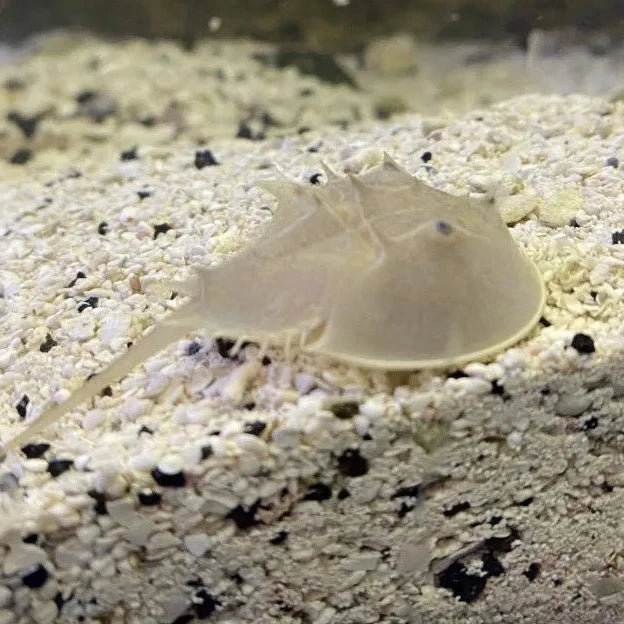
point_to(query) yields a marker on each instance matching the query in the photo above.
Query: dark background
(308, 24)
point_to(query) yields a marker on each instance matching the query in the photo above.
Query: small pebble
(344, 409)
(559, 209)
(28, 125)
(352, 464)
(612, 161)
(204, 158)
(532, 572)
(57, 467)
(255, 427)
(243, 518)
(21, 157)
(318, 492)
(475, 385)
(96, 105)
(7, 617)
(572, 404)
(48, 344)
(5, 596)
(161, 228)
(149, 497)
(583, 343)
(36, 465)
(279, 538)
(204, 604)
(91, 302)
(175, 479)
(130, 154)
(79, 275)
(162, 541)
(373, 408)
(36, 578)
(22, 405)
(197, 544)
(193, 348)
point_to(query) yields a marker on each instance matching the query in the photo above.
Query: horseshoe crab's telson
(379, 271)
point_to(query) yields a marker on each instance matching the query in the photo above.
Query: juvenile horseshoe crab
(377, 270)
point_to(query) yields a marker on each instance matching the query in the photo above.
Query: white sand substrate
(205, 487)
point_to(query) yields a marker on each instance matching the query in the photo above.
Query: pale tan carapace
(379, 271)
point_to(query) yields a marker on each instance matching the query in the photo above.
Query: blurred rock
(391, 55)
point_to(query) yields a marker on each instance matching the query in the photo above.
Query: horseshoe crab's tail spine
(173, 328)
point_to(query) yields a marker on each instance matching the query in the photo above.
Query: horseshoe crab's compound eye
(443, 227)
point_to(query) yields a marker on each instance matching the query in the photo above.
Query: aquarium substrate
(227, 488)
